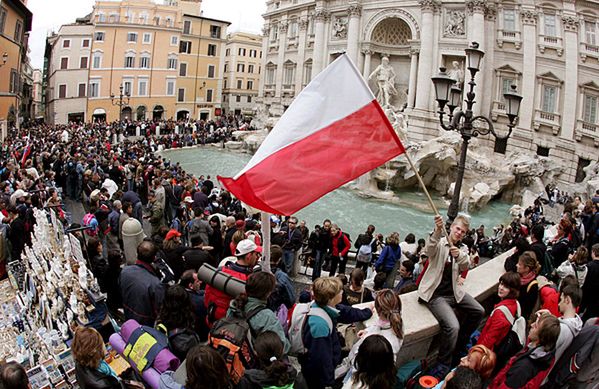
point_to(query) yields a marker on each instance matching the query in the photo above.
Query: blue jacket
(142, 293)
(324, 348)
(388, 257)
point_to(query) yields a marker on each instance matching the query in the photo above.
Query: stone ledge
(420, 326)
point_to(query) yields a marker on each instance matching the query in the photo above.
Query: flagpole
(265, 229)
(428, 196)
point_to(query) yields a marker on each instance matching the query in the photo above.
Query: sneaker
(439, 371)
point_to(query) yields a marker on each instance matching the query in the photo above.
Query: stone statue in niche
(457, 73)
(455, 24)
(385, 79)
(340, 28)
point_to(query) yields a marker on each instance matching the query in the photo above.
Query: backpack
(576, 356)
(547, 267)
(89, 220)
(143, 346)
(299, 321)
(365, 252)
(515, 338)
(232, 337)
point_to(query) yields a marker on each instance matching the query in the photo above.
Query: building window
(239, 84)
(129, 61)
(113, 18)
(289, 74)
(18, 31)
(215, 32)
(249, 99)
(143, 19)
(174, 40)
(172, 63)
(224, 84)
(549, 98)
(94, 88)
(250, 84)
(62, 91)
(509, 20)
(142, 87)
(185, 47)
(127, 87)
(186, 27)
(211, 71)
(81, 90)
(270, 74)
(209, 95)
(147, 37)
(238, 98)
(550, 25)
(307, 72)
(212, 50)
(241, 52)
(500, 145)
(157, 20)
(144, 62)
(170, 87)
(580, 174)
(85, 43)
(14, 81)
(83, 63)
(292, 30)
(99, 36)
(181, 95)
(169, 22)
(542, 151)
(226, 69)
(101, 18)
(240, 68)
(66, 43)
(64, 63)
(590, 30)
(250, 69)
(132, 37)
(3, 15)
(183, 69)
(227, 52)
(274, 33)
(97, 61)
(590, 109)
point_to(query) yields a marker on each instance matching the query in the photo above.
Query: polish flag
(333, 132)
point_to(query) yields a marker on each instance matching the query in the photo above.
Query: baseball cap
(188, 199)
(246, 246)
(172, 234)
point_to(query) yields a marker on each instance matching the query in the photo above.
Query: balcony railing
(548, 119)
(590, 130)
(551, 42)
(504, 36)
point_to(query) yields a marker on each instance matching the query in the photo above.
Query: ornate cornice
(476, 6)
(265, 30)
(570, 23)
(430, 5)
(529, 16)
(321, 15)
(283, 26)
(354, 10)
(367, 52)
(414, 51)
(490, 12)
(304, 23)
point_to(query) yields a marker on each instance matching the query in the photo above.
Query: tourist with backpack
(272, 370)
(366, 245)
(495, 335)
(561, 246)
(203, 368)
(318, 345)
(355, 292)
(217, 301)
(575, 265)
(528, 267)
(528, 368)
(387, 260)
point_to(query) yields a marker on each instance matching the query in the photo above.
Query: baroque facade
(549, 50)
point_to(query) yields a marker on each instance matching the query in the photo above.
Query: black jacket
(89, 378)
(142, 293)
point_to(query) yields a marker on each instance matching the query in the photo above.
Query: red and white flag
(333, 132)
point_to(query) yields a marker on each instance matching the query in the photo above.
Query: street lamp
(123, 99)
(4, 59)
(463, 120)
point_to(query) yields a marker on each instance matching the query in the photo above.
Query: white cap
(246, 246)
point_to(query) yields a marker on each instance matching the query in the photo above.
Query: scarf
(525, 280)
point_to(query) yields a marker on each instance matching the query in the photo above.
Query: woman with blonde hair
(576, 266)
(388, 261)
(90, 368)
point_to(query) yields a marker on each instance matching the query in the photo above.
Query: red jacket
(523, 371)
(497, 326)
(340, 245)
(217, 301)
(550, 299)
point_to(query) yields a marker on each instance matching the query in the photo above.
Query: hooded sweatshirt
(525, 370)
(258, 379)
(568, 329)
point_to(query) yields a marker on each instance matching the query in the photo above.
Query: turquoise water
(344, 207)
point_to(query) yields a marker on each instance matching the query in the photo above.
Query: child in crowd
(375, 368)
(356, 292)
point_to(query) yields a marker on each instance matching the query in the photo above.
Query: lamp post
(4, 59)
(463, 121)
(123, 99)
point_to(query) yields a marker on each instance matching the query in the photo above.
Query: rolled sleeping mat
(150, 376)
(222, 281)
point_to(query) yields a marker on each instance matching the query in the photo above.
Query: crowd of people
(544, 304)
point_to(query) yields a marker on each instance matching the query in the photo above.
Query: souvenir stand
(49, 293)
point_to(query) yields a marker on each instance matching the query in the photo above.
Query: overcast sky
(49, 15)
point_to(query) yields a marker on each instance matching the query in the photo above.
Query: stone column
(301, 53)
(529, 48)
(281, 57)
(367, 57)
(319, 36)
(476, 33)
(413, 75)
(570, 45)
(265, 38)
(353, 32)
(425, 65)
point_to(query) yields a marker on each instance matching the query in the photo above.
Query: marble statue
(385, 79)
(340, 28)
(455, 23)
(456, 73)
